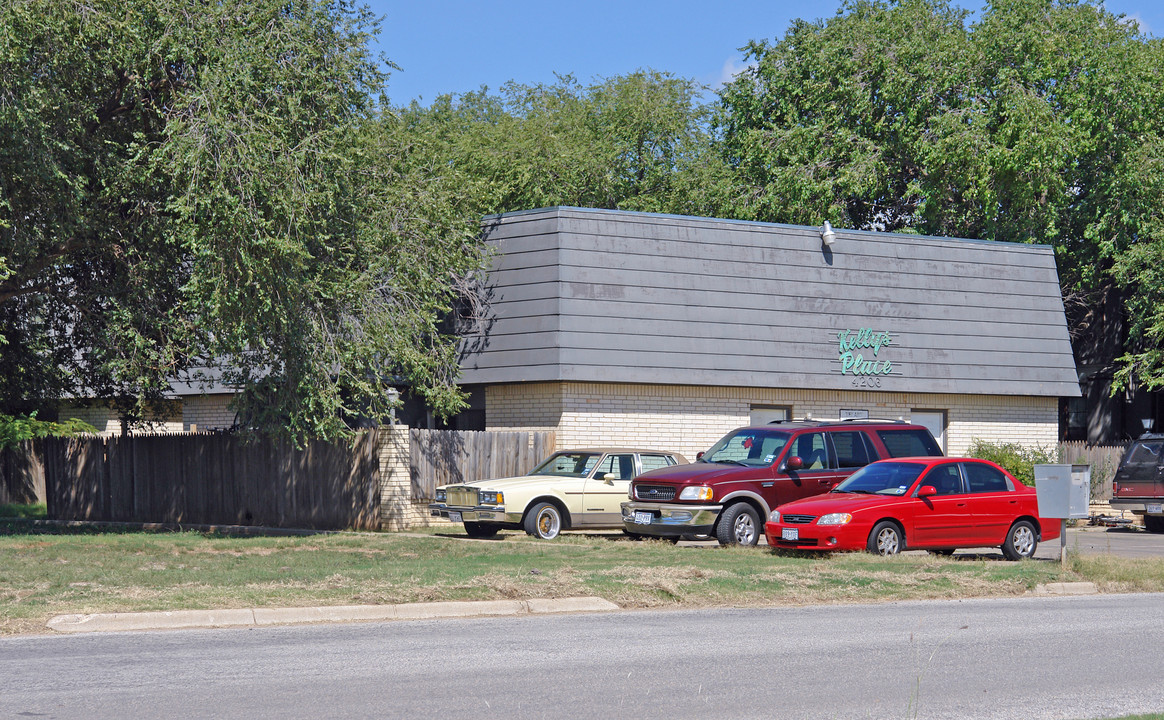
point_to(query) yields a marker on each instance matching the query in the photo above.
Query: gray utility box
(1064, 491)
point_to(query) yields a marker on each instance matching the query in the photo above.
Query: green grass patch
(52, 571)
(1115, 574)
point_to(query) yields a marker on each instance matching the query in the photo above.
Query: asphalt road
(1059, 657)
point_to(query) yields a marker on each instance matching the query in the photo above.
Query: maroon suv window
(851, 449)
(909, 442)
(810, 448)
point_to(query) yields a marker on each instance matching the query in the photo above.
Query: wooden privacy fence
(1103, 459)
(21, 474)
(441, 457)
(214, 479)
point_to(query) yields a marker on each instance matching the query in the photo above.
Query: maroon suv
(730, 489)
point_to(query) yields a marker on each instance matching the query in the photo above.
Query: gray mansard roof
(609, 296)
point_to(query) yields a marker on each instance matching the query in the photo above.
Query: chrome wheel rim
(888, 542)
(745, 529)
(1024, 541)
(548, 524)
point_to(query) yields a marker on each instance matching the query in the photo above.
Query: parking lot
(1131, 542)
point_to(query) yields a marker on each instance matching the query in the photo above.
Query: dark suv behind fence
(730, 489)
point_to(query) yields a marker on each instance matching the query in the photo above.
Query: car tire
(1154, 523)
(1021, 541)
(544, 521)
(480, 530)
(739, 524)
(886, 539)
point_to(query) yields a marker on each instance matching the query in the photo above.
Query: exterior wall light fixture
(827, 235)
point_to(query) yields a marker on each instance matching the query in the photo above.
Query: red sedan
(923, 503)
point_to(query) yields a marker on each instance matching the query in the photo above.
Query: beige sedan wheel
(544, 521)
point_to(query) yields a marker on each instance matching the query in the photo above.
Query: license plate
(789, 533)
(643, 518)
(454, 516)
(1156, 508)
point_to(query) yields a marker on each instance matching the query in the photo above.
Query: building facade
(637, 329)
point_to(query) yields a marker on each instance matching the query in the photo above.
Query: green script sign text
(865, 339)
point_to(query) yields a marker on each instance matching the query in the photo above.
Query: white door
(762, 415)
(932, 420)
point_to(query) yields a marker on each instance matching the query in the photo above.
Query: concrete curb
(1067, 588)
(265, 617)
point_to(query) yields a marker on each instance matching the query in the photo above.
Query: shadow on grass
(41, 526)
(32, 526)
(960, 557)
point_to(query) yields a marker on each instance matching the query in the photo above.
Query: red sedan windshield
(882, 478)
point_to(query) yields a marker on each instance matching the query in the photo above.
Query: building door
(764, 414)
(932, 420)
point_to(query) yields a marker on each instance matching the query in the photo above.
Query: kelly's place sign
(868, 342)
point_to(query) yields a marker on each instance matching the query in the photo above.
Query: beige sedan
(570, 490)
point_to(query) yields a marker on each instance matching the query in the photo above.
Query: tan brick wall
(688, 419)
(103, 418)
(207, 412)
(107, 421)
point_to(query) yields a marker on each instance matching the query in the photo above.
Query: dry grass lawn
(44, 573)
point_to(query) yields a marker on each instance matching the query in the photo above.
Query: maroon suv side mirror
(794, 463)
(699, 455)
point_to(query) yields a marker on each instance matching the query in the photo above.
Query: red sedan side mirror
(699, 455)
(926, 491)
(794, 463)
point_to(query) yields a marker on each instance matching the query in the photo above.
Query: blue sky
(447, 46)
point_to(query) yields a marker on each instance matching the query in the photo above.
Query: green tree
(15, 430)
(830, 121)
(209, 186)
(1018, 460)
(634, 142)
(1041, 121)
